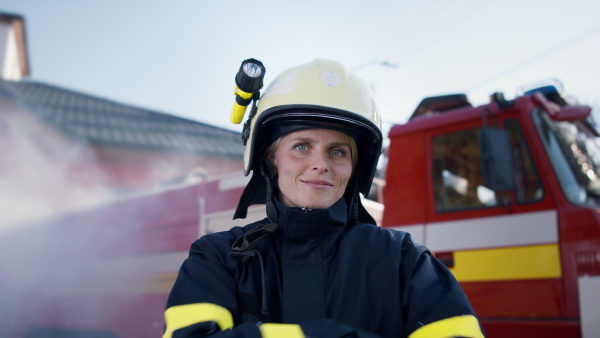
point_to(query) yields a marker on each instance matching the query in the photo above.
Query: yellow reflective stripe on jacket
(271, 330)
(180, 316)
(460, 326)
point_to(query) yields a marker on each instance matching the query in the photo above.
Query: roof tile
(101, 121)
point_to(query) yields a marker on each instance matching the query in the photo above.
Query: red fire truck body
(505, 194)
(526, 254)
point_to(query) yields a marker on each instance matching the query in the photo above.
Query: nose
(319, 163)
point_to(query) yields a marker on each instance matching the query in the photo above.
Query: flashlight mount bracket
(246, 129)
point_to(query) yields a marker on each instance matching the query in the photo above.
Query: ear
(271, 159)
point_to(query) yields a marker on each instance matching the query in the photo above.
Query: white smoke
(38, 177)
(62, 258)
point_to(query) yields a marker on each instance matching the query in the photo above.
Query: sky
(181, 57)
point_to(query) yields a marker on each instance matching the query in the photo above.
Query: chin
(319, 205)
(314, 202)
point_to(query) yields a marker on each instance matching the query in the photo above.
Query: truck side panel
(405, 168)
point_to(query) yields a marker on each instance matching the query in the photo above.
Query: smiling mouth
(318, 183)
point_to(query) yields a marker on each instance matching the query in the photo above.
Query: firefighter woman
(317, 266)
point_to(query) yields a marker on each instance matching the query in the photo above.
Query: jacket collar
(321, 227)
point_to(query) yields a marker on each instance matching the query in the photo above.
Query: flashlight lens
(250, 76)
(252, 69)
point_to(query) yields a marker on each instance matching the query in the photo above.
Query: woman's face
(314, 167)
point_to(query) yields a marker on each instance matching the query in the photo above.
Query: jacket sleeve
(203, 301)
(435, 304)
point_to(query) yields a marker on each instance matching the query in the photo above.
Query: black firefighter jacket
(326, 277)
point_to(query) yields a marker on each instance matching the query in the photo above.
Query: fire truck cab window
(575, 157)
(458, 182)
(528, 187)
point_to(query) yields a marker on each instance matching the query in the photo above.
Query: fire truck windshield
(575, 157)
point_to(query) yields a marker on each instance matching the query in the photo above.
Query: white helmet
(318, 94)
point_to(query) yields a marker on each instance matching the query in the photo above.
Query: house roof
(99, 121)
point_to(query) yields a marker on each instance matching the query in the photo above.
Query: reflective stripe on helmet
(180, 316)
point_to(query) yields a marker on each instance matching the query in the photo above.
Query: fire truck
(506, 194)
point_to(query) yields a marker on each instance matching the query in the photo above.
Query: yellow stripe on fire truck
(520, 246)
(528, 262)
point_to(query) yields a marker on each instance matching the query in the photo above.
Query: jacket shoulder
(391, 243)
(222, 240)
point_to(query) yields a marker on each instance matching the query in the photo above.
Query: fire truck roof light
(552, 90)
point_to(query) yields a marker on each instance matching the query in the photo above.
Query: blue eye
(301, 147)
(338, 152)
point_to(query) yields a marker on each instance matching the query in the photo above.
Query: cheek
(286, 166)
(275, 162)
(342, 176)
(347, 175)
(345, 172)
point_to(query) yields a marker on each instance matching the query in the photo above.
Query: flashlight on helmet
(248, 80)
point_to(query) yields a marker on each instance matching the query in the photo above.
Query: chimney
(14, 62)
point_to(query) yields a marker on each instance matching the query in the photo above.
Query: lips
(318, 183)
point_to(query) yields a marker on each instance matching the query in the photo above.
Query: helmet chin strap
(356, 211)
(257, 192)
(266, 171)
